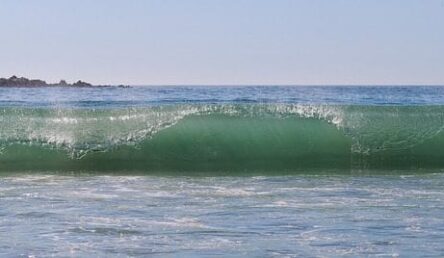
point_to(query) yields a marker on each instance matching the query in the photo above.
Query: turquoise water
(222, 171)
(222, 138)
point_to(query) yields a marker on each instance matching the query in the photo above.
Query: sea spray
(221, 137)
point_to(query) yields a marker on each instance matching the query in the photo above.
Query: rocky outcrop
(15, 81)
(81, 84)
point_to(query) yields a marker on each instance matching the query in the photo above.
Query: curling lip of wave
(79, 131)
(211, 137)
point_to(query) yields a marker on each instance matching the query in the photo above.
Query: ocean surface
(194, 171)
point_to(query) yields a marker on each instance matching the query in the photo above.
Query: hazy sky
(224, 41)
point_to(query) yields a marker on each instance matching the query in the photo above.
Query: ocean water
(198, 171)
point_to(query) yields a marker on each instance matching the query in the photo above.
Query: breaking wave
(224, 137)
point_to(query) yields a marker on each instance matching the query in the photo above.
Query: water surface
(222, 171)
(310, 216)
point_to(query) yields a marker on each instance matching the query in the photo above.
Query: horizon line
(281, 85)
(249, 84)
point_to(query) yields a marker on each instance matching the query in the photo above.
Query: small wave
(81, 131)
(221, 137)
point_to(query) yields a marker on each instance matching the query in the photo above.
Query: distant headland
(15, 81)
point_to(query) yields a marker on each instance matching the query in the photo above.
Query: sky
(224, 42)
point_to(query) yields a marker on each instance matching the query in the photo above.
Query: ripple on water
(253, 216)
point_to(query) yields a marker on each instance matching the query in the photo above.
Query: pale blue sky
(224, 41)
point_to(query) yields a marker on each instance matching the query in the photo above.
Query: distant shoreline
(22, 82)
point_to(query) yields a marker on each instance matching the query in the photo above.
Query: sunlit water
(328, 215)
(312, 214)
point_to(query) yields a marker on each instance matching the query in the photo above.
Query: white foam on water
(80, 131)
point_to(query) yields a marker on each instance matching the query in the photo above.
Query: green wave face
(222, 138)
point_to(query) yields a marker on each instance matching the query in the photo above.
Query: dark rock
(15, 81)
(81, 84)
